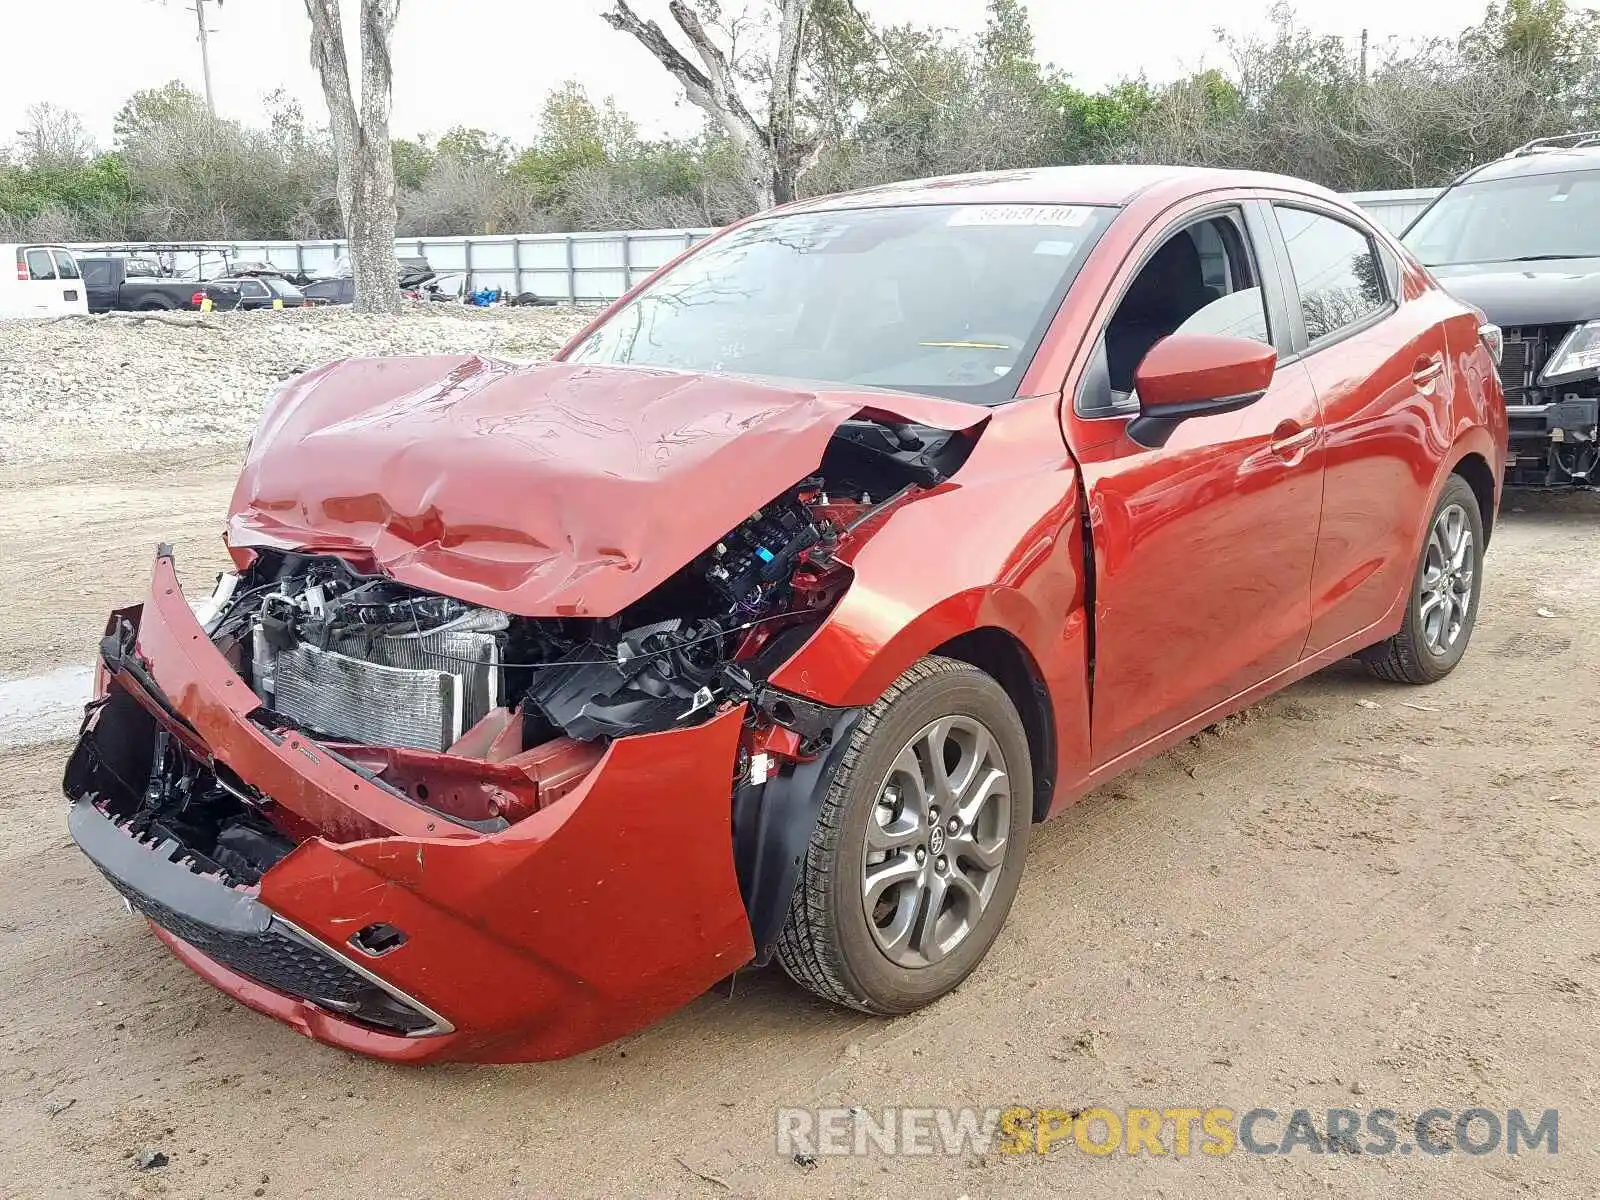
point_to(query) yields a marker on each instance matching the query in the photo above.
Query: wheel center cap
(936, 841)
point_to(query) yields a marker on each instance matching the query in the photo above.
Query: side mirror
(1194, 375)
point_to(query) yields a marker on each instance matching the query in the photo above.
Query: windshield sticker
(1067, 216)
(1059, 249)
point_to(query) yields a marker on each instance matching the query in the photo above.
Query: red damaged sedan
(767, 620)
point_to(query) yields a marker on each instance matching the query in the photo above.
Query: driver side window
(1201, 279)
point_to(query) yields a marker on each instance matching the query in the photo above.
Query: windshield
(1511, 220)
(951, 300)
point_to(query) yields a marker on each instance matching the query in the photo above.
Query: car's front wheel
(1444, 594)
(919, 847)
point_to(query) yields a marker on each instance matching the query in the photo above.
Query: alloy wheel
(936, 841)
(1449, 575)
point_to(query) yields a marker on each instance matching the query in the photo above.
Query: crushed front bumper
(590, 918)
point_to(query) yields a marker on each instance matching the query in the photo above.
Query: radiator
(416, 690)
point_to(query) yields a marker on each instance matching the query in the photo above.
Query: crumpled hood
(547, 490)
(1558, 292)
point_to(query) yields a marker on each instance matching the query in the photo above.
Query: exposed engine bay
(362, 659)
(1554, 426)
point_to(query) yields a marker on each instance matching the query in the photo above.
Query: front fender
(1003, 551)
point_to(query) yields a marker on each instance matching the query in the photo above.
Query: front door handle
(1427, 370)
(1290, 439)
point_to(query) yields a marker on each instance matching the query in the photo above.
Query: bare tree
(361, 143)
(53, 138)
(774, 152)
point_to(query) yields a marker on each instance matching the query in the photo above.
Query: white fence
(575, 267)
(1394, 210)
(572, 267)
(585, 267)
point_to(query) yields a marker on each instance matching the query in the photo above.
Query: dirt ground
(1356, 895)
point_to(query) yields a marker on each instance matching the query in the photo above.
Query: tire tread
(805, 950)
(1401, 658)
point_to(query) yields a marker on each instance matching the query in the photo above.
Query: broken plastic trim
(263, 718)
(117, 652)
(168, 893)
(772, 825)
(814, 722)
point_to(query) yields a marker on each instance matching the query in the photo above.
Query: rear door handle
(1427, 370)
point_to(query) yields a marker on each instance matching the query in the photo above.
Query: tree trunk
(773, 157)
(361, 144)
(782, 129)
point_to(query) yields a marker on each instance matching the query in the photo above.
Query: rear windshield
(951, 300)
(1511, 220)
(67, 265)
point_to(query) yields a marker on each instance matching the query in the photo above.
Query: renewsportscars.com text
(1177, 1131)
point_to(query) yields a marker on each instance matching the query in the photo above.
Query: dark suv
(1520, 239)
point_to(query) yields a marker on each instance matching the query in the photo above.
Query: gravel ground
(124, 382)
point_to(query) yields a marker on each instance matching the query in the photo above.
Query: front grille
(1515, 360)
(1527, 349)
(283, 963)
(286, 964)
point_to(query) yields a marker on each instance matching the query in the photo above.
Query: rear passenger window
(1336, 269)
(40, 266)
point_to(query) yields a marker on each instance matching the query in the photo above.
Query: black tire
(1411, 656)
(828, 944)
(156, 304)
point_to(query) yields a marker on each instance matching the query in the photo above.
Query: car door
(1204, 546)
(42, 290)
(72, 298)
(1378, 366)
(100, 283)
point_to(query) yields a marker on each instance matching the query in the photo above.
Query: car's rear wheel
(919, 847)
(1444, 595)
(156, 304)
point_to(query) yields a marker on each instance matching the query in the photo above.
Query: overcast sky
(488, 63)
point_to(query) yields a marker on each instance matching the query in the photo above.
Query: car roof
(1094, 185)
(1536, 162)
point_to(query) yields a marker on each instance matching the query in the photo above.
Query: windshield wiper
(1488, 262)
